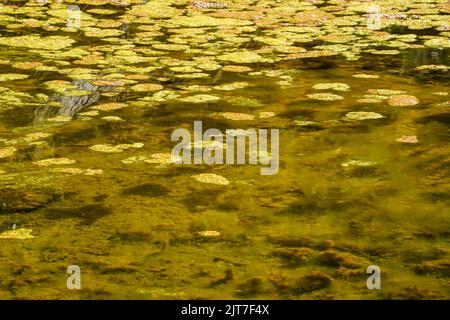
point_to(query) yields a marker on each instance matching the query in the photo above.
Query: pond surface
(358, 90)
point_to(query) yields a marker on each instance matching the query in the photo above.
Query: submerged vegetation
(358, 89)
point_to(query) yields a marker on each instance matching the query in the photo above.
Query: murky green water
(86, 116)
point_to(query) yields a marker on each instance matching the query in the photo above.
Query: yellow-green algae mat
(88, 99)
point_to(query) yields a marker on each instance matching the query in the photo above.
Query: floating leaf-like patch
(305, 123)
(108, 83)
(196, 75)
(402, 101)
(155, 9)
(27, 65)
(170, 47)
(369, 100)
(7, 152)
(237, 69)
(211, 178)
(266, 114)
(362, 115)
(102, 11)
(108, 148)
(110, 106)
(162, 159)
(358, 163)
(209, 233)
(144, 87)
(53, 161)
(332, 86)
(244, 101)
(232, 86)
(186, 69)
(241, 57)
(18, 234)
(433, 67)
(38, 42)
(236, 116)
(325, 97)
(386, 52)
(91, 113)
(200, 98)
(385, 92)
(112, 119)
(68, 170)
(158, 158)
(438, 43)
(59, 85)
(365, 76)
(207, 21)
(407, 139)
(60, 118)
(12, 76)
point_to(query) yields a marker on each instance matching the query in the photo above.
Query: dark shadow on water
(147, 190)
(87, 214)
(22, 201)
(443, 118)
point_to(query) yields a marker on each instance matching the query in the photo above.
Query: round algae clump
(402, 101)
(211, 178)
(241, 57)
(332, 86)
(143, 87)
(19, 234)
(362, 115)
(7, 152)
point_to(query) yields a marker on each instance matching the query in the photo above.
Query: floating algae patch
(236, 69)
(12, 76)
(325, 96)
(38, 42)
(200, 98)
(109, 106)
(332, 86)
(362, 115)
(145, 87)
(241, 57)
(407, 139)
(358, 163)
(7, 152)
(108, 148)
(211, 178)
(161, 159)
(366, 76)
(232, 86)
(18, 234)
(402, 101)
(236, 116)
(53, 162)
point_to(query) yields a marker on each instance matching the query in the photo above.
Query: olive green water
(102, 100)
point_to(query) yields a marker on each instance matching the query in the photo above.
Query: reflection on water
(71, 104)
(413, 58)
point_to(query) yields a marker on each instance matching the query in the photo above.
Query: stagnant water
(86, 115)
